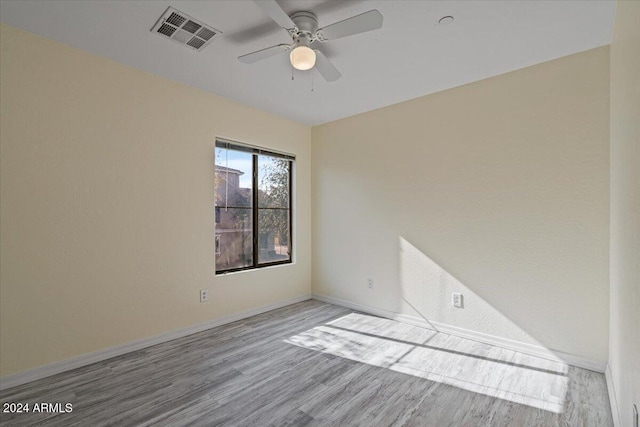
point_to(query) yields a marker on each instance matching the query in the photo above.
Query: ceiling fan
(303, 29)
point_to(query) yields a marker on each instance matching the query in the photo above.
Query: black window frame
(257, 151)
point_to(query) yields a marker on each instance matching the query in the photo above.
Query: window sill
(249, 270)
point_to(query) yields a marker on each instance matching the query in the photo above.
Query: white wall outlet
(456, 300)
(370, 283)
(204, 295)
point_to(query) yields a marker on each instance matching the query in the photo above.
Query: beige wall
(497, 189)
(624, 353)
(107, 204)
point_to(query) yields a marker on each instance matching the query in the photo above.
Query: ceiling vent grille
(184, 29)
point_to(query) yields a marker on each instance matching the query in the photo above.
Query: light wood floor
(318, 364)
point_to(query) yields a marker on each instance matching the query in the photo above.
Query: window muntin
(253, 207)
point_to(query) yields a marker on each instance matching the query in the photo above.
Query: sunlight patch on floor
(447, 359)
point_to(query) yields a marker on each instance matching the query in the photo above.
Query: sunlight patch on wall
(426, 289)
(447, 359)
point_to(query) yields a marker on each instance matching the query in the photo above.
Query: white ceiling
(408, 57)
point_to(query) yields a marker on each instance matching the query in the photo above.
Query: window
(252, 207)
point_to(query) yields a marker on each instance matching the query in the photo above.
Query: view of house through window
(252, 207)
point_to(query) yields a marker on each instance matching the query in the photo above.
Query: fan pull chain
(311, 82)
(292, 73)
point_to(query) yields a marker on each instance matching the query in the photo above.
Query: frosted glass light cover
(302, 58)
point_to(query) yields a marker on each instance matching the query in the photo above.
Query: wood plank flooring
(316, 364)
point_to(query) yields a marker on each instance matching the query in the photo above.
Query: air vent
(184, 29)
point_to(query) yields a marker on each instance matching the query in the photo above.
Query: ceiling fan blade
(326, 68)
(261, 54)
(273, 9)
(362, 23)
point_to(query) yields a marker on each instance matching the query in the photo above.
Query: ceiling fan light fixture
(302, 58)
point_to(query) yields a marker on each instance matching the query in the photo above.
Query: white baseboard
(617, 422)
(531, 349)
(107, 353)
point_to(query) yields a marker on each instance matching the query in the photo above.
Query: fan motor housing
(306, 22)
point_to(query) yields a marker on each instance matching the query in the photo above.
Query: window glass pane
(233, 178)
(273, 235)
(273, 182)
(236, 239)
(233, 202)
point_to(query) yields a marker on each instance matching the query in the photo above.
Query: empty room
(320, 213)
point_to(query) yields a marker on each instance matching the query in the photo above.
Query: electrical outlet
(370, 283)
(457, 300)
(204, 295)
